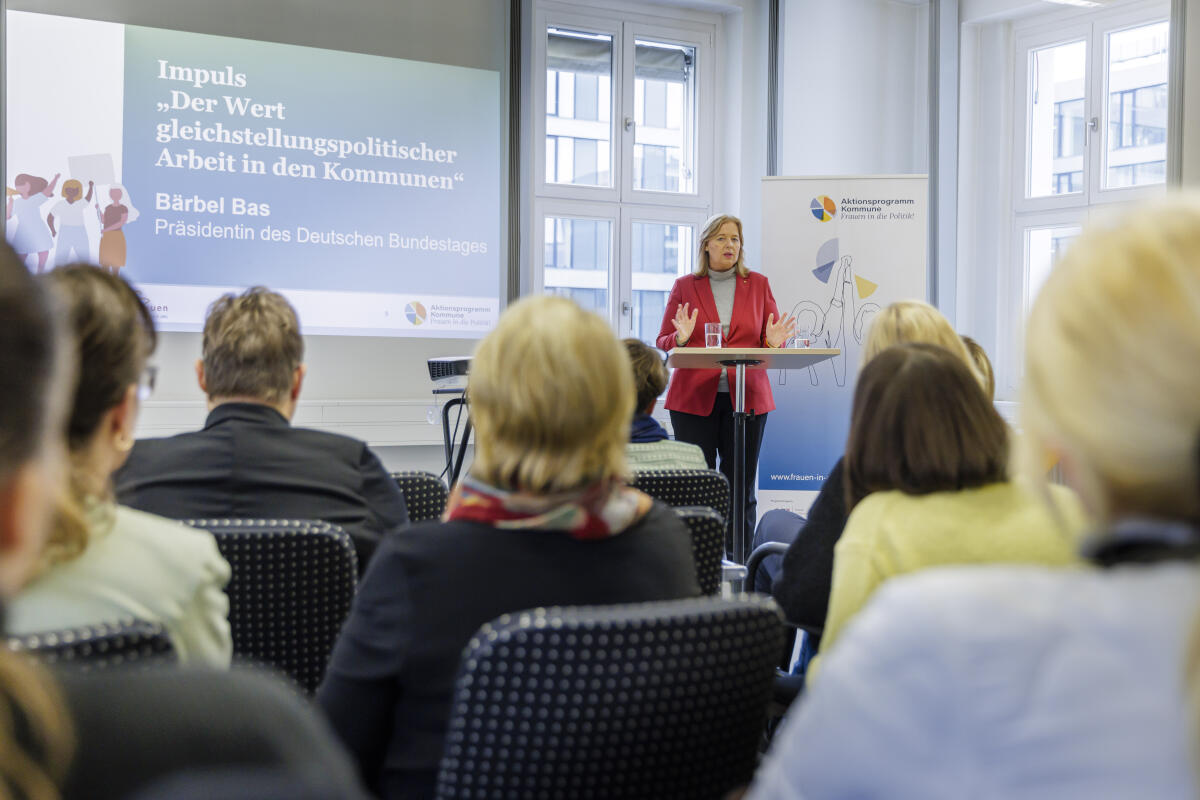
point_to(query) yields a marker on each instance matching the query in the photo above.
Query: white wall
(984, 200)
(1191, 92)
(854, 87)
(375, 388)
(741, 120)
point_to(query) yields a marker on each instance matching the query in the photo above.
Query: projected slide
(367, 189)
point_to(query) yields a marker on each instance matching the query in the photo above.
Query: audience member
(925, 471)
(1034, 682)
(800, 584)
(650, 448)
(543, 518)
(36, 739)
(127, 730)
(248, 460)
(983, 365)
(104, 561)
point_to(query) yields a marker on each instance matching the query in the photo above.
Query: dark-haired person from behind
(249, 461)
(650, 448)
(926, 483)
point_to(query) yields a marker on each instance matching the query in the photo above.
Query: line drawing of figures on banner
(828, 325)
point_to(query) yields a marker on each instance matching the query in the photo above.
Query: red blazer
(694, 391)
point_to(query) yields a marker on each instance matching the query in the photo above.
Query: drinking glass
(712, 334)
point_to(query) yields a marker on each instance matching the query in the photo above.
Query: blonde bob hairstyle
(711, 228)
(912, 321)
(1111, 354)
(72, 184)
(551, 393)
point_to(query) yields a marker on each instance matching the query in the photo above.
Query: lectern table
(741, 359)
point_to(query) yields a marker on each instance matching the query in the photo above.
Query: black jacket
(390, 680)
(802, 591)
(249, 462)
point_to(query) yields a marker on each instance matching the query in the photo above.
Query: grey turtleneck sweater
(724, 287)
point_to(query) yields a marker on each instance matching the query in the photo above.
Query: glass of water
(712, 334)
(802, 339)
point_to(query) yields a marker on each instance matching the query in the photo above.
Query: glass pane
(578, 260)
(662, 251)
(1043, 248)
(664, 106)
(1136, 127)
(1057, 137)
(578, 105)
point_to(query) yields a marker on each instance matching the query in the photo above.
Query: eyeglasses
(146, 382)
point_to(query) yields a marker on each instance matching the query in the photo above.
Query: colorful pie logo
(823, 208)
(415, 313)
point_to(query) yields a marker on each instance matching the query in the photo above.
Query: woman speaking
(722, 290)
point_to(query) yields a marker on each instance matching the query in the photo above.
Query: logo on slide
(415, 313)
(823, 208)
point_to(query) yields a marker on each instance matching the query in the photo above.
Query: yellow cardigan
(892, 533)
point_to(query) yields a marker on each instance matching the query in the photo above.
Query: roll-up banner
(836, 250)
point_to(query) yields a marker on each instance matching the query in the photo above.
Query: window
(1066, 182)
(1055, 108)
(1068, 128)
(1093, 100)
(661, 251)
(1136, 84)
(625, 179)
(578, 107)
(1090, 95)
(577, 260)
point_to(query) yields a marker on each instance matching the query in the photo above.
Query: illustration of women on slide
(119, 213)
(67, 214)
(25, 202)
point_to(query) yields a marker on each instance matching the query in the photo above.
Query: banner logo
(415, 313)
(823, 208)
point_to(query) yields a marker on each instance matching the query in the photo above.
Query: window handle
(626, 307)
(1093, 124)
(629, 123)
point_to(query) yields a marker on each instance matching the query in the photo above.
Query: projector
(449, 372)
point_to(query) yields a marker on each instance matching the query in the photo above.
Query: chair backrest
(290, 591)
(121, 643)
(686, 487)
(663, 700)
(424, 494)
(708, 544)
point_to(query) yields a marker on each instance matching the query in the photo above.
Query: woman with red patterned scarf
(544, 518)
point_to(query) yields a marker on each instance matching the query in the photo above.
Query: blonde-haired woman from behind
(543, 518)
(1038, 683)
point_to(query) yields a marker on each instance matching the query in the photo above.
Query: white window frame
(652, 214)
(607, 212)
(1048, 30)
(621, 203)
(555, 16)
(704, 127)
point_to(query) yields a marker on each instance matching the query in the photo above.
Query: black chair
(291, 589)
(708, 544)
(686, 487)
(424, 494)
(663, 700)
(122, 643)
(754, 562)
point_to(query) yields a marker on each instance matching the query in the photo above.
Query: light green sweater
(892, 533)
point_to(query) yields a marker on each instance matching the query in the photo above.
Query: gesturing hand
(684, 323)
(779, 332)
